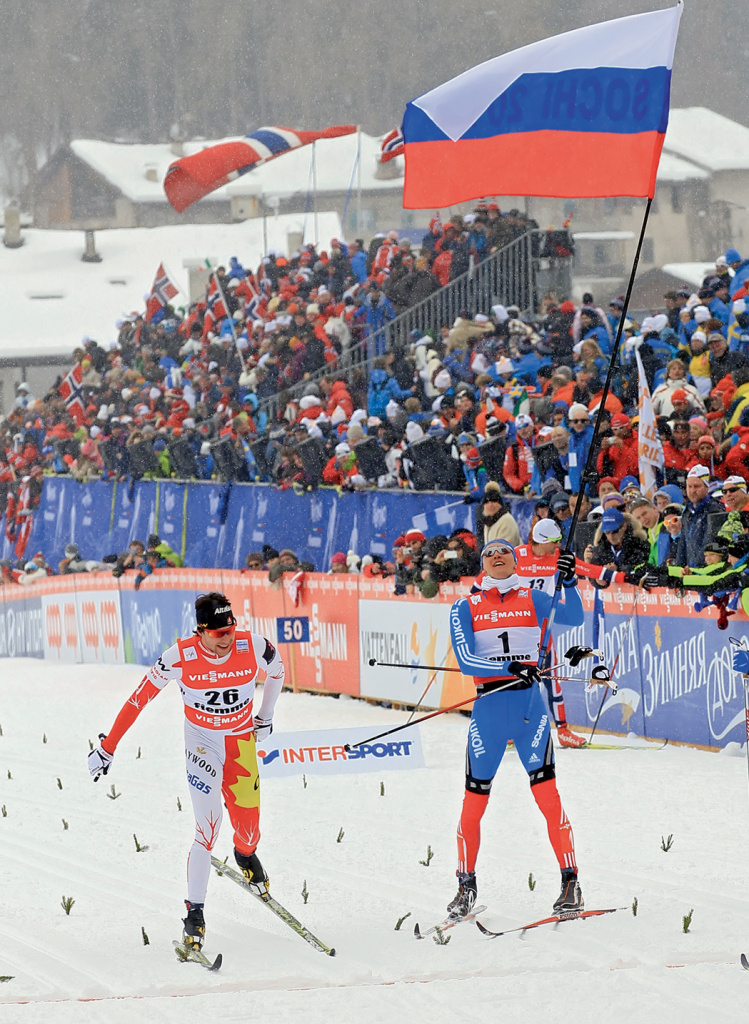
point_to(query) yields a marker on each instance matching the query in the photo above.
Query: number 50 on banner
(293, 630)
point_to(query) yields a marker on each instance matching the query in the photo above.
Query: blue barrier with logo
(674, 672)
(217, 525)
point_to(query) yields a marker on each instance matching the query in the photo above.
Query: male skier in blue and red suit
(496, 634)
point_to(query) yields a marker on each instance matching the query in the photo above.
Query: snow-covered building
(701, 205)
(96, 184)
(51, 299)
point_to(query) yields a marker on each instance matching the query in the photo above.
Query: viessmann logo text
(214, 676)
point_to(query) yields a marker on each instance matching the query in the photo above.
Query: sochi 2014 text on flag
(582, 114)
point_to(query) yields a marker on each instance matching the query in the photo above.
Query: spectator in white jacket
(676, 380)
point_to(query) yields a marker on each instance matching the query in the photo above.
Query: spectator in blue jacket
(718, 301)
(383, 388)
(696, 527)
(358, 259)
(379, 311)
(591, 327)
(530, 360)
(581, 435)
(236, 270)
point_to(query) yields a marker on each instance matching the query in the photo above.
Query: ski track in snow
(91, 966)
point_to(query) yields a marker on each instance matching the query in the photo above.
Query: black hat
(717, 548)
(739, 547)
(153, 540)
(213, 611)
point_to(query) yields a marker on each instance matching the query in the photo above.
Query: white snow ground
(91, 966)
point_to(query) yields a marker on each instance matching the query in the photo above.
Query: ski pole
(439, 668)
(425, 718)
(426, 691)
(616, 659)
(403, 664)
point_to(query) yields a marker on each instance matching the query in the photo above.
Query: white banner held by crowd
(649, 448)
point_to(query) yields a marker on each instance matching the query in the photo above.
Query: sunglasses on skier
(217, 634)
(497, 549)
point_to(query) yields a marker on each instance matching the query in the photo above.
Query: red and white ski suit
(218, 695)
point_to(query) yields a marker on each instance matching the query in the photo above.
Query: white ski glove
(262, 729)
(99, 761)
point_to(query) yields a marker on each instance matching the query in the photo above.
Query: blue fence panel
(172, 505)
(207, 505)
(153, 619)
(222, 523)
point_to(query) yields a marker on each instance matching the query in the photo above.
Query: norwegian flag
(392, 145)
(215, 299)
(71, 390)
(192, 177)
(251, 309)
(163, 291)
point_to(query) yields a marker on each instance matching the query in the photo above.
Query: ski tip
(417, 932)
(744, 962)
(482, 929)
(216, 965)
(331, 952)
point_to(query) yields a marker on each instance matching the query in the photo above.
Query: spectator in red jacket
(618, 455)
(737, 459)
(337, 394)
(340, 466)
(706, 454)
(518, 465)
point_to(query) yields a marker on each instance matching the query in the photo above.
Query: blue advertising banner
(674, 671)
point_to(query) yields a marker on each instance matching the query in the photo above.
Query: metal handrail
(506, 276)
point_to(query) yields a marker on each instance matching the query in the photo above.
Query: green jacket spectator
(173, 560)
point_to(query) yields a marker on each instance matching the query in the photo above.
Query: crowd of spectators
(497, 404)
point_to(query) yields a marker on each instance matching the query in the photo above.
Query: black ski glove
(566, 567)
(525, 673)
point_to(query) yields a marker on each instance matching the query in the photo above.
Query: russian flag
(582, 114)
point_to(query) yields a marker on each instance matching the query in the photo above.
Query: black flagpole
(588, 474)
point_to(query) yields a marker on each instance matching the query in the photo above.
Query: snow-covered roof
(708, 139)
(603, 236)
(51, 299)
(124, 165)
(691, 273)
(673, 169)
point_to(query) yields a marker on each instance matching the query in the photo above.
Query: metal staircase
(507, 276)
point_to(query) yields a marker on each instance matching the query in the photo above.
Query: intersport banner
(673, 665)
(323, 752)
